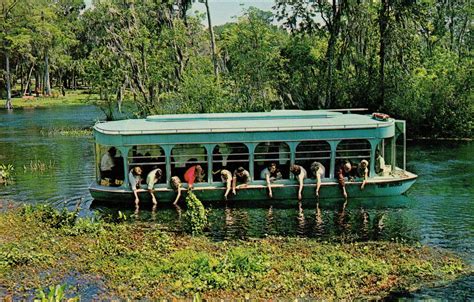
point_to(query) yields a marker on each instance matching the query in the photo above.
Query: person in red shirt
(193, 174)
(344, 170)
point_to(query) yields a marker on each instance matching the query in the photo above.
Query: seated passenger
(300, 174)
(379, 163)
(107, 164)
(344, 170)
(134, 178)
(175, 183)
(242, 177)
(193, 174)
(363, 172)
(151, 179)
(318, 171)
(270, 174)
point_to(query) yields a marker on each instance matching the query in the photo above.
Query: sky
(223, 11)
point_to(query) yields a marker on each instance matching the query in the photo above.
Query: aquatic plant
(6, 173)
(54, 294)
(38, 165)
(139, 261)
(195, 217)
(66, 131)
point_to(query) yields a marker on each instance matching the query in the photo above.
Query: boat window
(230, 157)
(353, 150)
(313, 151)
(186, 155)
(109, 166)
(148, 157)
(272, 152)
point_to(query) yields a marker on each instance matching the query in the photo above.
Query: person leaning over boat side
(134, 178)
(363, 172)
(192, 175)
(379, 163)
(300, 174)
(240, 176)
(107, 163)
(226, 178)
(318, 171)
(151, 179)
(175, 183)
(343, 171)
(270, 174)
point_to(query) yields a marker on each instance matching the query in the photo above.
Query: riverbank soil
(99, 259)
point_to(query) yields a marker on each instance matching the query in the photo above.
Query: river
(437, 211)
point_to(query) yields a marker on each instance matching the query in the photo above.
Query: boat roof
(276, 120)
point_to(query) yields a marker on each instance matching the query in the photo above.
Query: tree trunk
(213, 41)
(47, 83)
(383, 24)
(22, 85)
(8, 104)
(37, 83)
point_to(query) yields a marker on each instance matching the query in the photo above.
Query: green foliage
(54, 294)
(139, 261)
(50, 216)
(6, 173)
(195, 216)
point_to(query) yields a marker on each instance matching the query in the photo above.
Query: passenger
(379, 163)
(107, 164)
(363, 172)
(242, 177)
(344, 170)
(300, 174)
(318, 171)
(151, 179)
(134, 178)
(270, 174)
(226, 178)
(192, 175)
(176, 185)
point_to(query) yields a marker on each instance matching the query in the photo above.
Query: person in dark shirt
(343, 171)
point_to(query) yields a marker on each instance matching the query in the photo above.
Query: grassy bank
(40, 247)
(73, 97)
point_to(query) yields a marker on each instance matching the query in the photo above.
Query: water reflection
(358, 220)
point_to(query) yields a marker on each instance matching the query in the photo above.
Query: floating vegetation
(139, 261)
(54, 294)
(38, 165)
(66, 131)
(195, 216)
(6, 174)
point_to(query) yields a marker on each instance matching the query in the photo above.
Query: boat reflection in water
(382, 218)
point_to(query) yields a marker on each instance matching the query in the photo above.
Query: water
(437, 211)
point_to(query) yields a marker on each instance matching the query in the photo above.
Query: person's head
(272, 168)
(377, 153)
(347, 167)
(364, 163)
(240, 171)
(112, 151)
(158, 174)
(137, 171)
(199, 169)
(295, 169)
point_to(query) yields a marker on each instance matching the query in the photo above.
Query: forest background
(409, 58)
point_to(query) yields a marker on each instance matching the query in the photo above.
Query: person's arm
(137, 200)
(318, 183)
(300, 182)
(178, 194)
(267, 177)
(228, 185)
(234, 183)
(342, 183)
(364, 181)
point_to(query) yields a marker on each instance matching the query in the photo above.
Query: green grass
(73, 97)
(40, 246)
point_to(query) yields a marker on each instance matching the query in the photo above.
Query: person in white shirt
(300, 174)
(107, 163)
